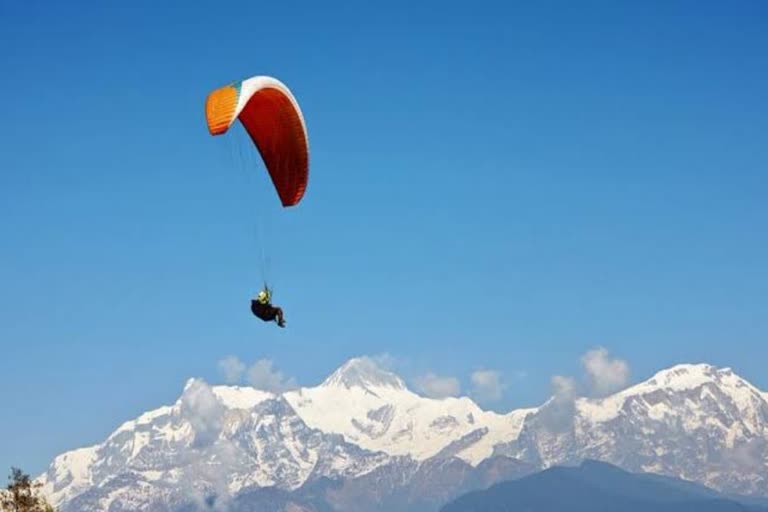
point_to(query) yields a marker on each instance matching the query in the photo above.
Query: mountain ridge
(594, 485)
(363, 423)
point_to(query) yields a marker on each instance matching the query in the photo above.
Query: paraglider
(262, 307)
(275, 124)
(272, 117)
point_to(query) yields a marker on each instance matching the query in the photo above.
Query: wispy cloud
(563, 388)
(203, 410)
(385, 361)
(262, 375)
(606, 374)
(557, 415)
(487, 385)
(232, 369)
(436, 386)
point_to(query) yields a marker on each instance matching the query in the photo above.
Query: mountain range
(362, 441)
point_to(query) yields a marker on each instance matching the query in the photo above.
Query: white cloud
(232, 369)
(385, 361)
(563, 389)
(486, 385)
(206, 414)
(606, 374)
(215, 496)
(557, 415)
(203, 410)
(261, 375)
(436, 386)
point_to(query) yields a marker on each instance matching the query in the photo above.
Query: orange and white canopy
(272, 117)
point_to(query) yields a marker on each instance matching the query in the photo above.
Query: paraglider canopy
(272, 117)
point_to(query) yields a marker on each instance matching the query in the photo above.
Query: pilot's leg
(280, 319)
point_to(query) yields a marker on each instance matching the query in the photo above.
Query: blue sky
(492, 186)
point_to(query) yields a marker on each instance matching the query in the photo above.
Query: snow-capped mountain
(375, 410)
(213, 441)
(362, 437)
(695, 422)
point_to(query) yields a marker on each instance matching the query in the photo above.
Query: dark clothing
(266, 312)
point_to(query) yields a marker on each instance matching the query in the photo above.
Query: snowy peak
(240, 397)
(363, 372)
(677, 388)
(363, 426)
(685, 376)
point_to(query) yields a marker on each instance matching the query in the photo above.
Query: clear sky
(492, 185)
